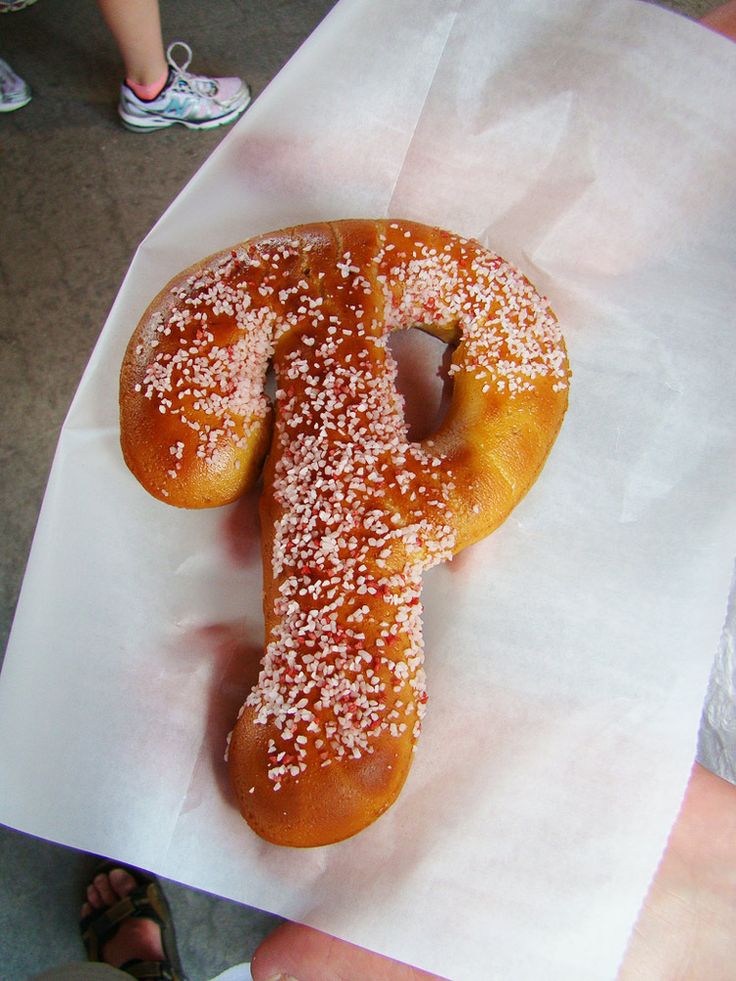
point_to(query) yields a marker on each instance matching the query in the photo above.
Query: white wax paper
(592, 144)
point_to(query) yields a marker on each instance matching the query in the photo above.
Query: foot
(193, 101)
(11, 6)
(14, 92)
(135, 938)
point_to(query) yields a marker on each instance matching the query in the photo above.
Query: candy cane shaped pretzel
(352, 512)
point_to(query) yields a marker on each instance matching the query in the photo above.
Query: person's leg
(136, 28)
(159, 91)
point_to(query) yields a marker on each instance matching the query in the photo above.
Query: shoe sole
(154, 123)
(13, 8)
(5, 107)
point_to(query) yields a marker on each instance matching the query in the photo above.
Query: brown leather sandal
(146, 901)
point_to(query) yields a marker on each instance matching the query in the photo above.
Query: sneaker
(194, 101)
(10, 6)
(14, 92)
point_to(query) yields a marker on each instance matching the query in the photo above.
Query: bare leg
(136, 27)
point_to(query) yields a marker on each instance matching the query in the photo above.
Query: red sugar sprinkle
(346, 472)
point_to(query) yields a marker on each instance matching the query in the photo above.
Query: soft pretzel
(352, 512)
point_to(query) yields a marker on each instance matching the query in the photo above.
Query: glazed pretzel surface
(352, 511)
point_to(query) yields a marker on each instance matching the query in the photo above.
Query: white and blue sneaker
(194, 101)
(13, 6)
(14, 92)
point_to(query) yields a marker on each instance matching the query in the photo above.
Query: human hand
(687, 927)
(298, 953)
(722, 19)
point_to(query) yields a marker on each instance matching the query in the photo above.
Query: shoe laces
(200, 85)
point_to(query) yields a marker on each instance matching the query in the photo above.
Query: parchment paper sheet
(591, 143)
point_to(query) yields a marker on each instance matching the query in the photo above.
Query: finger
(723, 19)
(685, 928)
(305, 954)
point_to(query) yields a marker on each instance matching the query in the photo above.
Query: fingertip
(277, 956)
(300, 952)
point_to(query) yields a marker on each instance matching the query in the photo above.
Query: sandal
(146, 901)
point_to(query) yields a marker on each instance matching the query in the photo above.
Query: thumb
(299, 953)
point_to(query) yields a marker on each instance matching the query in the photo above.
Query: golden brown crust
(352, 513)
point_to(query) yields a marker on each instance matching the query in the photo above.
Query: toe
(86, 910)
(93, 897)
(121, 882)
(104, 889)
